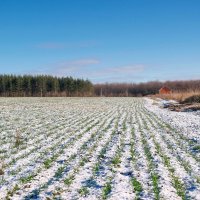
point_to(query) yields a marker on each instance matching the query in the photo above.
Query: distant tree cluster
(43, 85)
(142, 89)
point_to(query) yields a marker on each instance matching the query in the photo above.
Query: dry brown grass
(18, 138)
(179, 96)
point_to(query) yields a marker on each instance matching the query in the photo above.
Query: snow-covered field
(97, 148)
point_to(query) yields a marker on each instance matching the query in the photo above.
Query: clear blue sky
(102, 40)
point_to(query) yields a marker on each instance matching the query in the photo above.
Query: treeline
(43, 85)
(143, 89)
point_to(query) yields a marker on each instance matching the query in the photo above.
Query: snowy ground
(97, 148)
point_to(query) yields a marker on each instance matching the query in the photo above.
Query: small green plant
(50, 160)
(187, 166)
(106, 190)
(96, 168)
(179, 188)
(137, 185)
(27, 178)
(116, 161)
(47, 163)
(196, 148)
(83, 161)
(102, 153)
(59, 172)
(68, 181)
(83, 191)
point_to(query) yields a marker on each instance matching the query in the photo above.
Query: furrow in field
(102, 170)
(24, 161)
(24, 130)
(83, 169)
(47, 133)
(179, 150)
(41, 116)
(187, 124)
(113, 164)
(40, 173)
(49, 176)
(136, 178)
(177, 170)
(151, 188)
(165, 186)
(52, 139)
(186, 139)
(37, 144)
(140, 163)
(122, 182)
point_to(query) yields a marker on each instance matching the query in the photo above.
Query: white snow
(69, 130)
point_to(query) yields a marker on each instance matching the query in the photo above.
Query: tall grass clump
(18, 138)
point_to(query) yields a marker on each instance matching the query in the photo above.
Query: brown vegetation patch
(181, 97)
(184, 107)
(192, 99)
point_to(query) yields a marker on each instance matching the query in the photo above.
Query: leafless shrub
(148, 88)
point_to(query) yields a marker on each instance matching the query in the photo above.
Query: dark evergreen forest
(43, 85)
